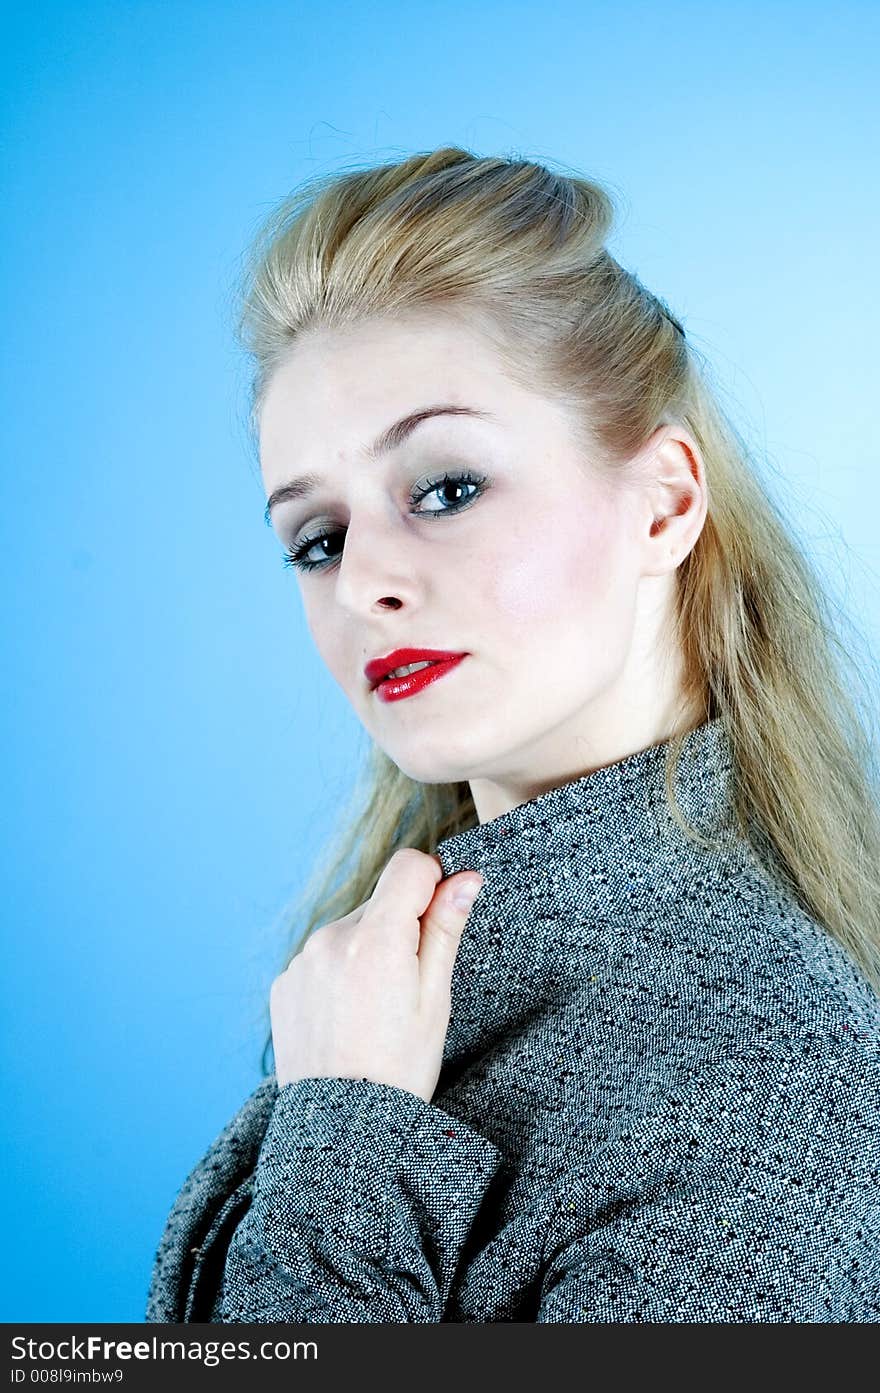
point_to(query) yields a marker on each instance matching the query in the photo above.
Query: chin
(426, 769)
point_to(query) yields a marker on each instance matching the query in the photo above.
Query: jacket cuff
(369, 1168)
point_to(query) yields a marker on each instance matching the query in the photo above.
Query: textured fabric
(659, 1101)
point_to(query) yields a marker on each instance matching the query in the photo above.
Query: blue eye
(298, 554)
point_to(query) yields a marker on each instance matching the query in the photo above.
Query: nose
(378, 568)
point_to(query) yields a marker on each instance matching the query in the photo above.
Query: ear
(675, 498)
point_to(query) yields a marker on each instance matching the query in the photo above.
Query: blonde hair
(521, 249)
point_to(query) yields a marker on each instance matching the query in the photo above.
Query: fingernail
(465, 895)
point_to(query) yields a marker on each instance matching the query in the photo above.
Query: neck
(565, 756)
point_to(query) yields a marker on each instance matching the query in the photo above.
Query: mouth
(406, 672)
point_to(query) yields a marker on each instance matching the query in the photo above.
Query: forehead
(377, 364)
(339, 388)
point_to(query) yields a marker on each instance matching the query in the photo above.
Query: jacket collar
(567, 875)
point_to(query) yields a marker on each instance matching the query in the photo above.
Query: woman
(638, 1079)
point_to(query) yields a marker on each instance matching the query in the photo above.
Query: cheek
(565, 567)
(325, 635)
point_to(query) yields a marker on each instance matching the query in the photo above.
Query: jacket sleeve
(363, 1197)
(749, 1196)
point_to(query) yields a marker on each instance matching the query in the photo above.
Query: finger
(442, 927)
(402, 894)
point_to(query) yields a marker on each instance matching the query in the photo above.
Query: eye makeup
(297, 555)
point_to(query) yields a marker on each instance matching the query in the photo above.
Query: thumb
(442, 925)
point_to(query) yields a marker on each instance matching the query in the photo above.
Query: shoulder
(736, 942)
(715, 978)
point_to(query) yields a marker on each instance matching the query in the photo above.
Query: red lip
(393, 689)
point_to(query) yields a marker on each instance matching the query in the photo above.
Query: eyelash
(295, 556)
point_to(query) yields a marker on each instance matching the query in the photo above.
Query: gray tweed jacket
(659, 1101)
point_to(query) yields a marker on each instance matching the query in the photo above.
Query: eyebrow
(390, 439)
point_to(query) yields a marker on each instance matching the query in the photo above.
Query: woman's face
(527, 559)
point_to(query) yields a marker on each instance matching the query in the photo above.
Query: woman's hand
(368, 996)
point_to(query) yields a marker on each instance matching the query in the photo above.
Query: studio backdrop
(175, 754)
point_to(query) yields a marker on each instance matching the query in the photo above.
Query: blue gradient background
(173, 752)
